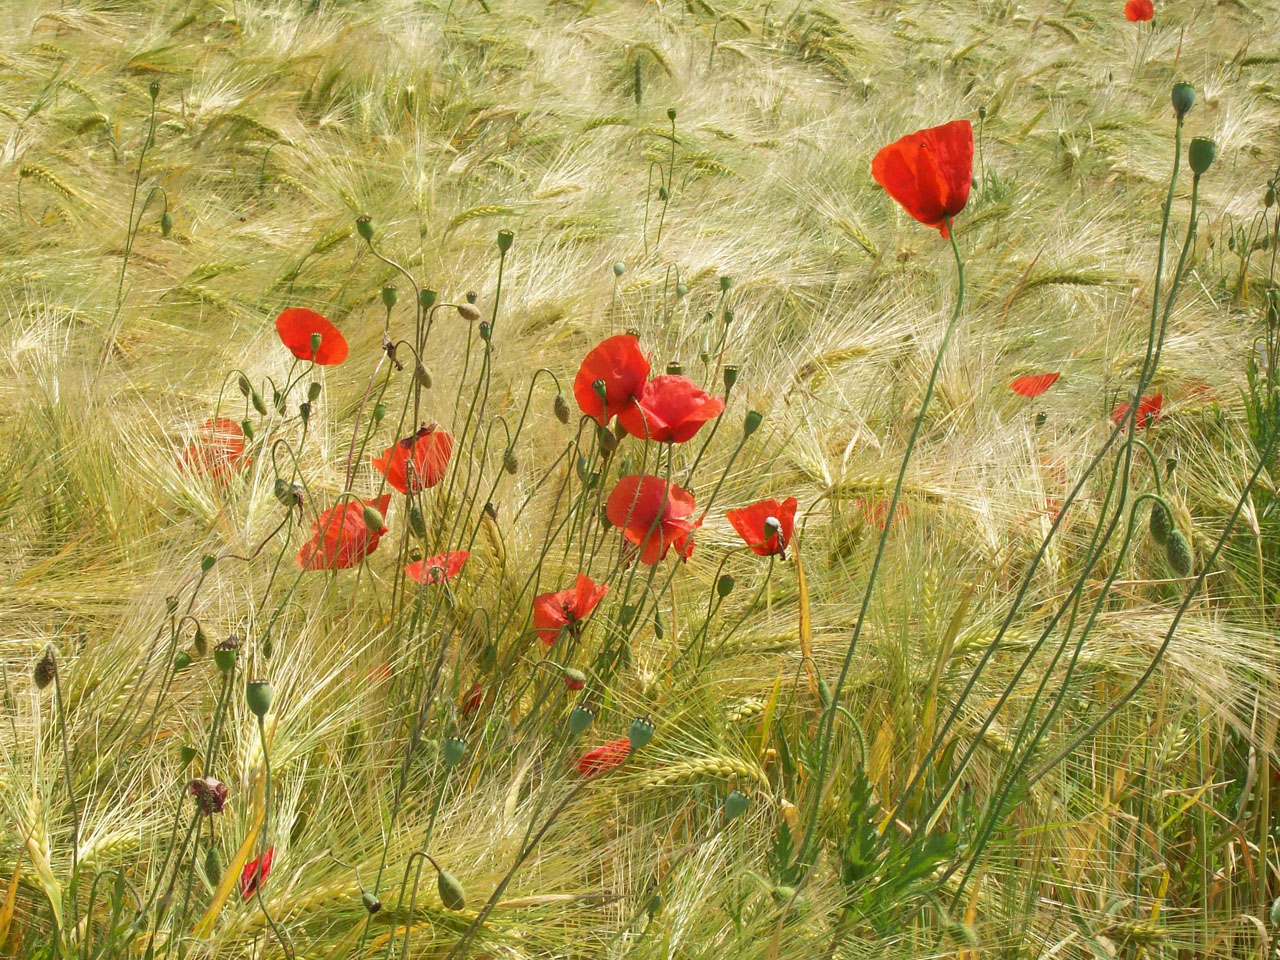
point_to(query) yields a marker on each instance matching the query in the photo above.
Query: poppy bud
(490, 510)
(245, 386)
(735, 805)
(313, 392)
(364, 226)
(561, 408)
(608, 442)
(505, 239)
(316, 340)
(181, 660)
(619, 268)
(671, 113)
(200, 642)
(675, 367)
(186, 754)
(454, 750)
(510, 463)
(166, 223)
(1160, 523)
(224, 654)
(304, 411)
(258, 403)
(207, 562)
(1201, 154)
(257, 694)
(45, 670)
(422, 375)
(658, 629)
(154, 89)
(489, 658)
(725, 284)
(1184, 97)
(212, 866)
(581, 718)
(681, 290)
(171, 604)
(662, 194)
(417, 523)
(468, 312)
(724, 586)
(390, 295)
(730, 377)
(1269, 198)
(641, 733)
(486, 331)
(371, 903)
(451, 893)
(574, 679)
(1177, 551)
(824, 694)
(373, 519)
(752, 423)
(654, 905)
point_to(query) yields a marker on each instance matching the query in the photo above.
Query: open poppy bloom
(299, 327)
(1139, 11)
(604, 757)
(1034, 385)
(217, 450)
(1148, 410)
(437, 569)
(418, 462)
(929, 172)
(621, 367)
(255, 873)
(553, 612)
(671, 408)
(340, 537)
(765, 526)
(654, 515)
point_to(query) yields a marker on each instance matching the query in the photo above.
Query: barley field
(589, 479)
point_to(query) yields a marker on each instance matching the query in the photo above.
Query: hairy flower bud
(468, 312)
(45, 670)
(166, 223)
(427, 299)
(1178, 552)
(561, 408)
(451, 893)
(1160, 523)
(724, 586)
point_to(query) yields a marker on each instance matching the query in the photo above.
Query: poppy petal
(1034, 385)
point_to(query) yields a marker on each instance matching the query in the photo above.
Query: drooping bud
(608, 442)
(653, 906)
(200, 642)
(451, 893)
(212, 866)
(735, 805)
(724, 585)
(1201, 154)
(373, 519)
(390, 295)
(641, 733)
(45, 670)
(455, 749)
(166, 223)
(662, 194)
(510, 463)
(364, 226)
(505, 239)
(258, 403)
(580, 718)
(278, 400)
(246, 427)
(561, 408)
(245, 386)
(224, 654)
(181, 660)
(1177, 550)
(619, 268)
(1184, 97)
(468, 312)
(304, 411)
(1160, 523)
(379, 411)
(257, 695)
(824, 694)
(371, 903)
(313, 392)
(574, 679)
(287, 493)
(1269, 198)
(659, 630)
(752, 423)
(681, 290)
(422, 375)
(417, 523)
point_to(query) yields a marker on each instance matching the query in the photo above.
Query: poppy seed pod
(422, 375)
(1177, 551)
(724, 586)
(455, 749)
(316, 340)
(725, 284)
(619, 268)
(641, 733)
(486, 331)
(735, 805)
(207, 562)
(730, 377)
(654, 905)
(45, 670)
(580, 718)
(451, 893)
(166, 223)
(1201, 154)
(471, 296)
(671, 113)
(313, 392)
(390, 295)
(468, 312)
(258, 403)
(372, 518)
(1184, 98)
(246, 427)
(561, 408)
(681, 290)
(426, 299)
(171, 603)
(371, 903)
(181, 660)
(224, 654)
(154, 89)
(304, 411)
(1160, 524)
(364, 226)
(505, 239)
(752, 423)
(675, 368)
(257, 694)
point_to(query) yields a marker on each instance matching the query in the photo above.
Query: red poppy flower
(604, 757)
(553, 612)
(752, 524)
(653, 514)
(929, 172)
(418, 462)
(574, 679)
(471, 703)
(298, 325)
(255, 873)
(1034, 385)
(1148, 410)
(437, 569)
(210, 794)
(1139, 11)
(671, 408)
(340, 538)
(217, 450)
(623, 368)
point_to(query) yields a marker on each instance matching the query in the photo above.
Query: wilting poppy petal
(928, 172)
(604, 757)
(217, 450)
(653, 514)
(437, 569)
(296, 327)
(340, 538)
(1034, 385)
(750, 523)
(471, 703)
(210, 794)
(417, 462)
(1139, 11)
(1148, 410)
(255, 873)
(671, 408)
(619, 363)
(553, 612)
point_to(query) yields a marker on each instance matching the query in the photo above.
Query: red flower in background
(1034, 385)
(1139, 11)
(217, 450)
(623, 368)
(654, 514)
(553, 612)
(751, 523)
(1148, 410)
(255, 873)
(929, 172)
(296, 327)
(670, 408)
(471, 703)
(437, 569)
(875, 512)
(604, 757)
(340, 537)
(418, 462)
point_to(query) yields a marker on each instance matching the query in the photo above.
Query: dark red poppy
(1034, 385)
(929, 172)
(604, 757)
(216, 451)
(255, 873)
(623, 369)
(340, 537)
(762, 536)
(437, 569)
(1139, 11)
(653, 514)
(298, 325)
(553, 612)
(671, 408)
(471, 702)
(1148, 410)
(210, 794)
(418, 462)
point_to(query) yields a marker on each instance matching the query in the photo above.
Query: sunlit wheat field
(1006, 685)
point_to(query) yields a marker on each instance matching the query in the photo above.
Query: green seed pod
(675, 367)
(468, 312)
(224, 654)
(454, 750)
(186, 754)
(45, 670)
(166, 223)
(654, 905)
(371, 903)
(730, 377)
(451, 893)
(752, 423)
(982, 113)
(379, 411)
(505, 239)
(212, 866)
(200, 642)
(580, 718)
(426, 299)
(246, 427)
(257, 694)
(171, 604)
(724, 585)
(735, 805)
(619, 268)
(471, 296)
(364, 226)
(1184, 97)
(725, 284)
(681, 290)
(641, 733)
(316, 340)
(154, 89)
(671, 113)
(245, 386)
(1160, 524)
(373, 519)
(390, 295)
(1201, 154)
(181, 660)
(1177, 551)
(561, 408)
(417, 523)
(304, 411)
